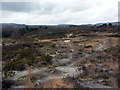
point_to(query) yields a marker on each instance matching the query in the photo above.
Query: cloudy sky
(51, 12)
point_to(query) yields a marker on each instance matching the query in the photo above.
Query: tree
(110, 24)
(46, 27)
(104, 25)
(27, 28)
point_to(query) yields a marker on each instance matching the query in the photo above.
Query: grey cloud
(119, 11)
(79, 6)
(17, 6)
(41, 8)
(60, 11)
(45, 8)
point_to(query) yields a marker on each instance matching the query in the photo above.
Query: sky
(52, 12)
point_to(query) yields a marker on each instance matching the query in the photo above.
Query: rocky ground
(81, 62)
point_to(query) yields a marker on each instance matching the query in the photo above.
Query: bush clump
(88, 46)
(17, 64)
(47, 59)
(7, 84)
(53, 46)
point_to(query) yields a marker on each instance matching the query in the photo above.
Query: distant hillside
(22, 25)
(11, 25)
(18, 30)
(113, 23)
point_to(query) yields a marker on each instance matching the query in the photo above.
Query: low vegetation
(18, 64)
(39, 48)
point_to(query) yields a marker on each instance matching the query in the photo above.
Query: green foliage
(47, 59)
(26, 30)
(53, 45)
(18, 64)
(7, 33)
(46, 27)
(13, 65)
(22, 31)
(104, 25)
(26, 53)
(105, 76)
(110, 24)
(109, 50)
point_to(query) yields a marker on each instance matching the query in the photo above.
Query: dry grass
(46, 40)
(52, 70)
(58, 83)
(112, 65)
(79, 62)
(114, 81)
(28, 82)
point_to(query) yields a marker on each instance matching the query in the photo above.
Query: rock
(102, 46)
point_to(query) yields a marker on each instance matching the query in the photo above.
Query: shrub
(17, 64)
(7, 83)
(53, 45)
(20, 66)
(13, 65)
(102, 75)
(47, 59)
(88, 46)
(109, 50)
(26, 53)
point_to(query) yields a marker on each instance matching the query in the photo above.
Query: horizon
(61, 24)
